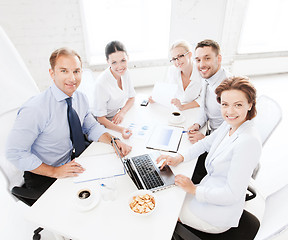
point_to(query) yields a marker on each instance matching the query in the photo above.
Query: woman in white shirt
(114, 91)
(217, 202)
(185, 74)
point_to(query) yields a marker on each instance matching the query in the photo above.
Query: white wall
(196, 20)
(37, 27)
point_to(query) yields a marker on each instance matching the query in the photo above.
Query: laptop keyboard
(147, 171)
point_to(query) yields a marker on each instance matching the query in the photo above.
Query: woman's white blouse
(192, 91)
(109, 98)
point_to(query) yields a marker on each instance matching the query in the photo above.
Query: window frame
(153, 62)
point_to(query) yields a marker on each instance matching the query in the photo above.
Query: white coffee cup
(84, 197)
(176, 117)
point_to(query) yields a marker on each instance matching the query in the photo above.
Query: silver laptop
(144, 172)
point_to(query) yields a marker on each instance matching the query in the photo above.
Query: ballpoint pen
(104, 185)
(187, 131)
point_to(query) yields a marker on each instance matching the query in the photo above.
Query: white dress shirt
(220, 196)
(41, 130)
(109, 98)
(192, 91)
(210, 108)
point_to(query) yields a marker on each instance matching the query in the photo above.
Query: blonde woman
(185, 74)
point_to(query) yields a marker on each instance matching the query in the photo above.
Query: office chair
(14, 77)
(11, 217)
(275, 221)
(269, 115)
(248, 225)
(246, 230)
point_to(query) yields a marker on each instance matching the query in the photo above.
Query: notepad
(95, 169)
(165, 138)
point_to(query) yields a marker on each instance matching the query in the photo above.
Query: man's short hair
(62, 52)
(209, 43)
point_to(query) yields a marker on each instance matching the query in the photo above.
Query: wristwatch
(114, 138)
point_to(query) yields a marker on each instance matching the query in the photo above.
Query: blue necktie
(76, 133)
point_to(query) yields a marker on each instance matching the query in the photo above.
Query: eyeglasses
(179, 57)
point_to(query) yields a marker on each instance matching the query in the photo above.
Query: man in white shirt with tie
(208, 62)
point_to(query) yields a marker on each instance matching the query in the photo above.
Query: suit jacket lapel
(215, 150)
(220, 149)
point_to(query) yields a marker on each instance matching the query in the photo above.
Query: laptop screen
(117, 149)
(127, 166)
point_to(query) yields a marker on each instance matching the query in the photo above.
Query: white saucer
(91, 206)
(172, 120)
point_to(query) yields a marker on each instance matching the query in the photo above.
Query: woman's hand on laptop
(169, 160)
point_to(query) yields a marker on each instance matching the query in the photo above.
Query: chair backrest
(275, 221)
(13, 175)
(256, 205)
(17, 86)
(268, 117)
(6, 200)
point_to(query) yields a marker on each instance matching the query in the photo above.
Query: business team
(41, 142)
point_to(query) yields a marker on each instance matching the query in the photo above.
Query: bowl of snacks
(142, 202)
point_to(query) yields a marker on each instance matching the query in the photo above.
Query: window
(264, 28)
(141, 25)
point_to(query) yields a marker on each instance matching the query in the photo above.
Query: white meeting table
(56, 210)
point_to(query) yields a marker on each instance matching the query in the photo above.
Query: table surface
(56, 209)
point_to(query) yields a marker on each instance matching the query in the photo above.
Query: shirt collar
(242, 127)
(113, 79)
(215, 78)
(58, 94)
(111, 75)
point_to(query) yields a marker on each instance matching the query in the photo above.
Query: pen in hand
(190, 131)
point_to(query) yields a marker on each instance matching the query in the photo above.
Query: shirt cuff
(199, 125)
(185, 154)
(100, 113)
(132, 95)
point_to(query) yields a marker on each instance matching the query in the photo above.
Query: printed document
(166, 138)
(99, 166)
(164, 92)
